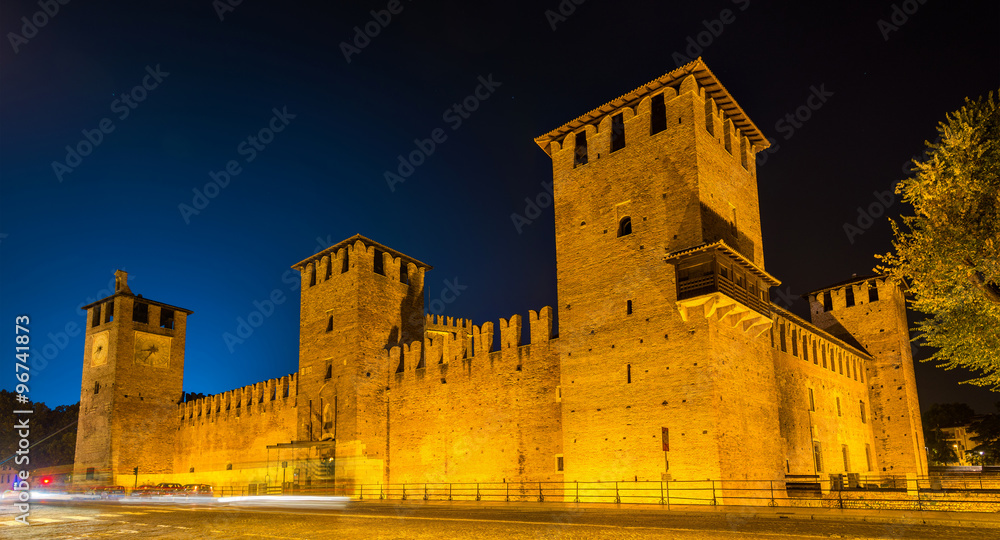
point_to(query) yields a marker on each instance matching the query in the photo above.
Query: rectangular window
(812, 401)
(167, 318)
(347, 261)
(628, 307)
(96, 317)
(617, 132)
(580, 157)
(657, 115)
(140, 313)
(868, 456)
(817, 456)
(559, 464)
(805, 349)
(849, 294)
(781, 336)
(795, 343)
(90, 473)
(872, 292)
(847, 457)
(827, 301)
(109, 311)
(404, 276)
(379, 262)
(329, 324)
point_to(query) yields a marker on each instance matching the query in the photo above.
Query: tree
(947, 251)
(942, 415)
(987, 437)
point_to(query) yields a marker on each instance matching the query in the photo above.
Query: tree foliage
(43, 422)
(987, 437)
(942, 415)
(948, 251)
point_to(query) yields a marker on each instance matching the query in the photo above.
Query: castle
(670, 362)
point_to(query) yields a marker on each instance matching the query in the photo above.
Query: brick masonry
(735, 387)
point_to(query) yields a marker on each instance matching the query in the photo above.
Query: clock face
(99, 349)
(152, 350)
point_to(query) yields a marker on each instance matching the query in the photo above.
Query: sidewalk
(897, 517)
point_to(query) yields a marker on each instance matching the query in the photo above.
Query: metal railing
(945, 493)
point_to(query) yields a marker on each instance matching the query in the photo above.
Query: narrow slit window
(347, 262)
(329, 268)
(625, 226)
(628, 373)
(109, 311)
(657, 115)
(818, 456)
(617, 132)
(872, 293)
(727, 136)
(97, 387)
(812, 401)
(628, 307)
(312, 275)
(827, 301)
(864, 418)
(96, 317)
(379, 262)
(838, 407)
(559, 464)
(580, 157)
(329, 371)
(140, 313)
(781, 337)
(849, 295)
(329, 324)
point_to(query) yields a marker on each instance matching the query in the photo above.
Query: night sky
(212, 82)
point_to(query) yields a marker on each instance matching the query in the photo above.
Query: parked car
(167, 488)
(198, 490)
(146, 490)
(110, 492)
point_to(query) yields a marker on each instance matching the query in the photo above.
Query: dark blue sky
(321, 178)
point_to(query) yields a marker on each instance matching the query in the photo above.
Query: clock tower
(133, 369)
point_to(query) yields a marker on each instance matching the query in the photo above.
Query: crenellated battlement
(359, 254)
(795, 336)
(649, 110)
(448, 340)
(248, 399)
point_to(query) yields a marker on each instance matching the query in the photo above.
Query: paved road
(416, 521)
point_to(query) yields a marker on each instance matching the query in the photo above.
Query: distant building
(959, 438)
(671, 362)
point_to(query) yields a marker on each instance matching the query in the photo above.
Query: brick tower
(871, 312)
(359, 298)
(133, 368)
(662, 289)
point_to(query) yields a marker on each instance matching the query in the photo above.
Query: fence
(975, 493)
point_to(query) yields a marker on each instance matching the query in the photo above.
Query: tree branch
(990, 290)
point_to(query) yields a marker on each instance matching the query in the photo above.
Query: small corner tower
(133, 369)
(871, 312)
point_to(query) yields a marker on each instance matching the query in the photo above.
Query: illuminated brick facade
(671, 361)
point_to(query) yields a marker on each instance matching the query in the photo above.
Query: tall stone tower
(662, 288)
(871, 312)
(133, 368)
(359, 298)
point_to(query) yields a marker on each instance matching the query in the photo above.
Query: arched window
(625, 226)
